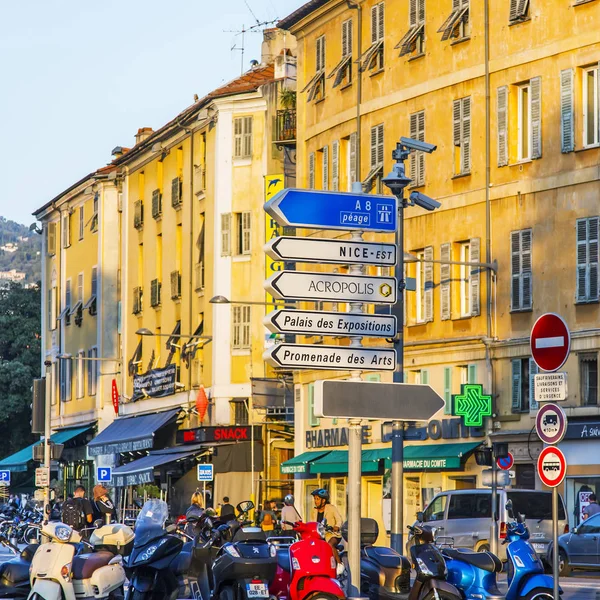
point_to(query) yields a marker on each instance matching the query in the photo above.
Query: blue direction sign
(5, 477)
(103, 474)
(205, 472)
(333, 210)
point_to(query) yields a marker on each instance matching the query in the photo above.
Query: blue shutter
(516, 385)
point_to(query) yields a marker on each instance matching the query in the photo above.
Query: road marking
(550, 342)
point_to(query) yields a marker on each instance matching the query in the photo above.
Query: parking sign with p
(103, 474)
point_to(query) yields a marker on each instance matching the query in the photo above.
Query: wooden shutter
(380, 143)
(412, 13)
(311, 171)
(335, 165)
(536, 117)
(374, 23)
(247, 137)
(428, 292)
(421, 12)
(353, 175)
(587, 260)
(474, 278)
(447, 390)
(325, 171)
(512, 15)
(445, 282)
(226, 234)
(533, 371)
(413, 155)
(465, 153)
(380, 21)
(347, 38)
(320, 60)
(502, 118)
(526, 270)
(66, 230)
(51, 239)
(567, 134)
(515, 268)
(237, 138)
(516, 385)
(456, 122)
(582, 260)
(246, 232)
(593, 259)
(421, 155)
(94, 281)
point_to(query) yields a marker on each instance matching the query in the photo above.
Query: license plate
(539, 547)
(257, 590)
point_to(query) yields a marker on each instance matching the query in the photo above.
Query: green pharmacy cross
(472, 404)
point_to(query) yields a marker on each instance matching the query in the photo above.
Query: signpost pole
(555, 557)
(494, 527)
(47, 433)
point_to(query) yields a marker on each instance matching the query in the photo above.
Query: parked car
(464, 517)
(580, 548)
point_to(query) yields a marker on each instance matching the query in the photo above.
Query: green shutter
(472, 374)
(312, 420)
(373, 377)
(516, 385)
(424, 376)
(447, 390)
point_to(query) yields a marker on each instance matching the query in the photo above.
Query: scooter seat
(283, 559)
(85, 564)
(14, 571)
(482, 560)
(181, 564)
(386, 557)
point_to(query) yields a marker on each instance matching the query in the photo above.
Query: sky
(79, 78)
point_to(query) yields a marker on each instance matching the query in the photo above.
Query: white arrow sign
(337, 288)
(312, 322)
(331, 251)
(299, 356)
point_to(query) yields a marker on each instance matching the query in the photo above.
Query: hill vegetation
(20, 249)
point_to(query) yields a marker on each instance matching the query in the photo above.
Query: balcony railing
(286, 126)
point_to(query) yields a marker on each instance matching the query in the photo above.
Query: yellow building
(511, 101)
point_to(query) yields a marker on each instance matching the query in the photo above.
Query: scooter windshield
(150, 523)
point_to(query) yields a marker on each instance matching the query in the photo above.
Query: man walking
(77, 512)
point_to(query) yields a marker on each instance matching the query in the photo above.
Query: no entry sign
(552, 466)
(550, 342)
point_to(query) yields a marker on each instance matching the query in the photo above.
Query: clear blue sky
(80, 77)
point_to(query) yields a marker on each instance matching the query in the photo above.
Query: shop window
(588, 376)
(312, 420)
(436, 510)
(578, 496)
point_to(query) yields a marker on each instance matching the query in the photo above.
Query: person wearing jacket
(325, 511)
(105, 509)
(196, 509)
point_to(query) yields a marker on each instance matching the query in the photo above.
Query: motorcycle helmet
(322, 493)
(289, 500)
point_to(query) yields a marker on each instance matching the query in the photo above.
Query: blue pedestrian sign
(205, 472)
(104, 474)
(333, 210)
(4, 477)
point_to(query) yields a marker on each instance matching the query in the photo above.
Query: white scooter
(59, 571)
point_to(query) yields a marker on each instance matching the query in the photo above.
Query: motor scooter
(14, 573)
(307, 569)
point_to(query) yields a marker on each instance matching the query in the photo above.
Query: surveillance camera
(397, 180)
(417, 145)
(424, 201)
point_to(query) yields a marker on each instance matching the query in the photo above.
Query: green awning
(18, 461)
(299, 463)
(337, 461)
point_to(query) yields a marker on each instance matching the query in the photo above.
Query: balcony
(175, 285)
(285, 130)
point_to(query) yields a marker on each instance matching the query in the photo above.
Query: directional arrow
(328, 286)
(472, 405)
(333, 210)
(331, 251)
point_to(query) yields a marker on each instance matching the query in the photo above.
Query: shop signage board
(155, 383)
(550, 387)
(242, 433)
(103, 474)
(472, 404)
(550, 342)
(506, 462)
(4, 477)
(340, 358)
(42, 477)
(205, 472)
(332, 287)
(552, 466)
(346, 252)
(551, 423)
(314, 322)
(586, 430)
(333, 210)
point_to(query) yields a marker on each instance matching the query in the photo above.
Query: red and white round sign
(550, 342)
(552, 466)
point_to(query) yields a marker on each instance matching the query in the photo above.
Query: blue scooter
(474, 573)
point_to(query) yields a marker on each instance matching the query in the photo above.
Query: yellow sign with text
(273, 185)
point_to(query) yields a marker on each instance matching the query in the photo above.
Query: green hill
(20, 249)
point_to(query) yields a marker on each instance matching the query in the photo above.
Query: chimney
(118, 151)
(142, 134)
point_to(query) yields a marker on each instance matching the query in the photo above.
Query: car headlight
(63, 533)
(148, 553)
(232, 551)
(423, 567)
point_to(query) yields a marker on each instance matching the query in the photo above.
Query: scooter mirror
(420, 516)
(246, 506)
(509, 509)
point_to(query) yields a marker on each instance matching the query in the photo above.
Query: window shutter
(593, 258)
(311, 171)
(513, 10)
(380, 142)
(516, 384)
(502, 117)
(353, 174)
(335, 165)
(536, 117)
(533, 371)
(472, 374)
(373, 147)
(567, 135)
(237, 138)
(455, 5)
(598, 96)
(421, 155)
(582, 260)
(380, 21)
(526, 272)
(447, 390)
(246, 232)
(226, 234)
(374, 24)
(421, 11)
(94, 281)
(475, 277)
(412, 13)
(325, 171)
(413, 155)
(428, 268)
(425, 376)
(66, 230)
(456, 121)
(51, 239)
(247, 136)
(466, 136)
(345, 38)
(515, 267)
(445, 290)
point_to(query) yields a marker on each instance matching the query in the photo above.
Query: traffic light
(38, 405)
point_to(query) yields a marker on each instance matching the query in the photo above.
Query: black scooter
(14, 573)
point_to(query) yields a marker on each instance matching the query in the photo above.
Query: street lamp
(147, 332)
(225, 300)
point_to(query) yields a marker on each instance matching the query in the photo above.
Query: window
(424, 284)
(156, 204)
(591, 526)
(445, 281)
(335, 165)
(462, 135)
(51, 239)
(311, 171)
(417, 159)
(312, 420)
(529, 144)
(226, 234)
(80, 375)
(456, 25)
(372, 58)
(92, 370)
(447, 390)
(376, 172)
(343, 70)
(68, 302)
(81, 222)
(316, 86)
(242, 138)
(177, 189)
(590, 106)
(80, 287)
(65, 379)
(94, 219)
(241, 327)
(52, 307)
(470, 506)
(92, 302)
(521, 284)
(66, 229)
(421, 377)
(413, 41)
(352, 174)
(325, 168)
(155, 293)
(436, 511)
(469, 278)
(523, 372)
(588, 376)
(519, 11)
(240, 411)
(243, 231)
(587, 260)
(525, 479)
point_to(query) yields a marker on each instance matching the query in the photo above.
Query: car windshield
(535, 505)
(150, 523)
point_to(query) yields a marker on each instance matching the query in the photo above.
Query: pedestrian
(105, 509)
(592, 508)
(289, 514)
(268, 517)
(325, 511)
(227, 510)
(77, 510)
(195, 511)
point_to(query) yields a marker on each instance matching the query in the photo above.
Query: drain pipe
(357, 6)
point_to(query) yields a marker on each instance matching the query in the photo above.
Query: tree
(20, 351)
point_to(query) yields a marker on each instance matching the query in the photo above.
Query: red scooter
(306, 570)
